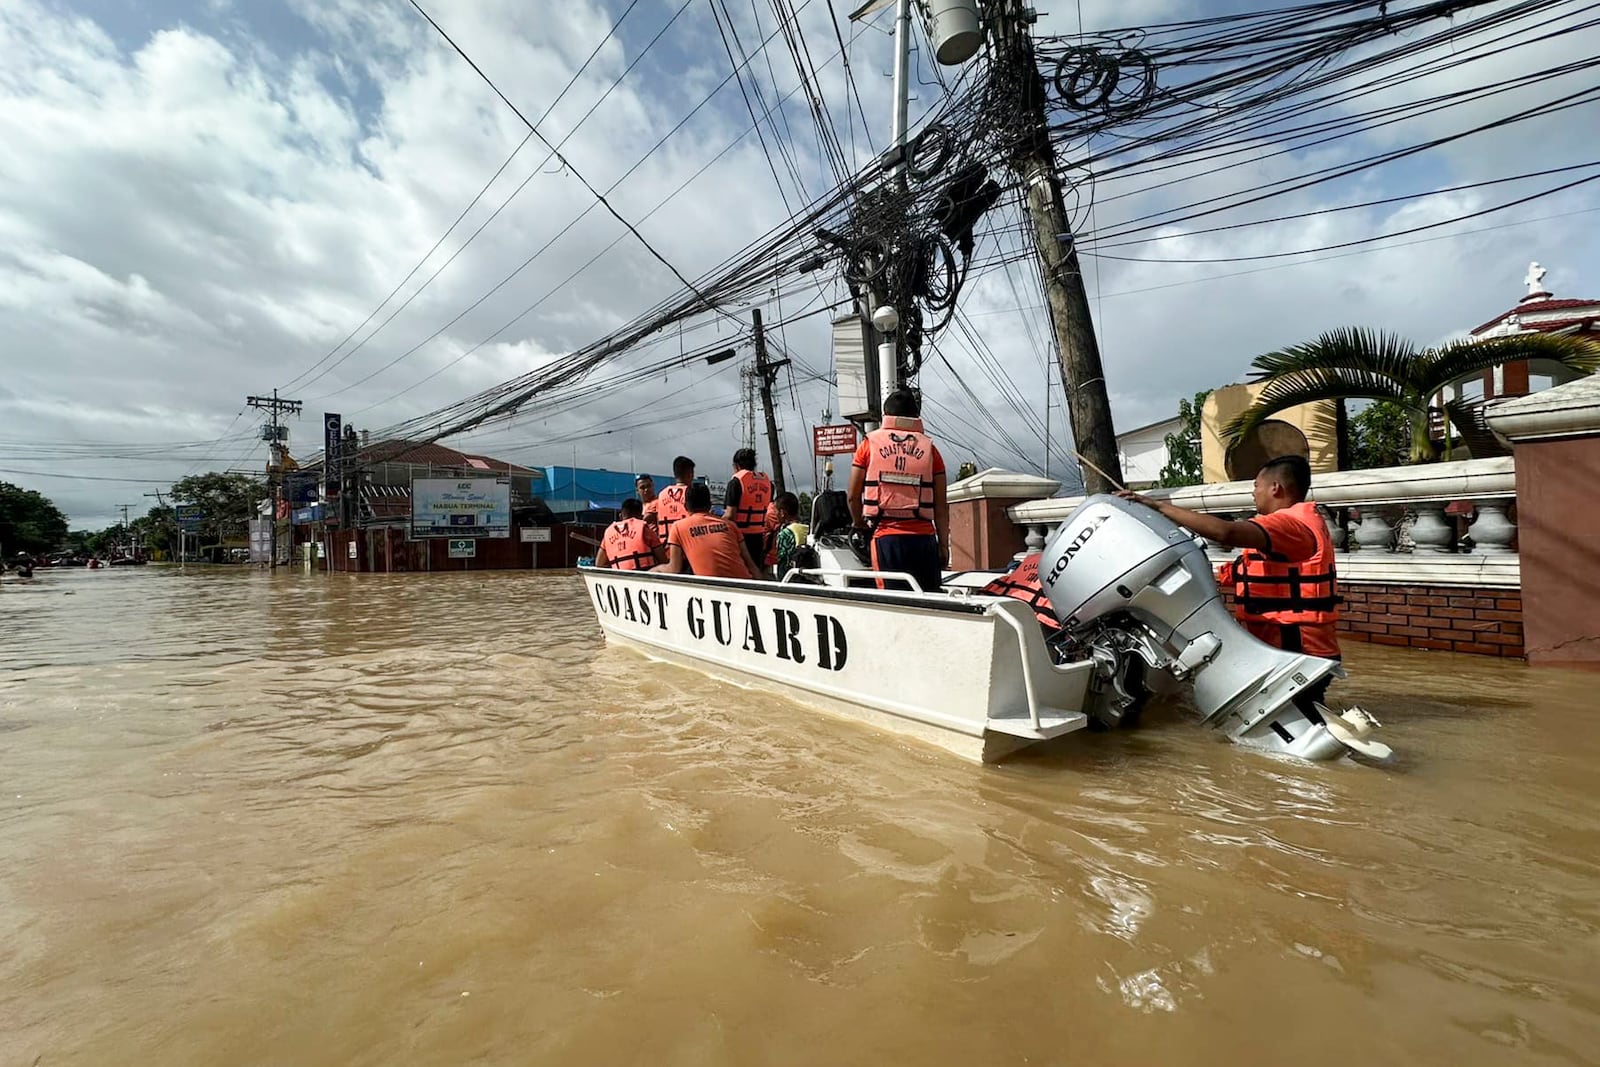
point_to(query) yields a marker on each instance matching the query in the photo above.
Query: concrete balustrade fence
(1495, 557)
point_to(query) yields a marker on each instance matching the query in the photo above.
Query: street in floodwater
(430, 819)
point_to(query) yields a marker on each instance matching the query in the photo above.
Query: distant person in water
(710, 545)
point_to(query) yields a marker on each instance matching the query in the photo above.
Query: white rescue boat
(1141, 613)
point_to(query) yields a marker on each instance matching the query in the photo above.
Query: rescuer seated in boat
(1283, 581)
(788, 533)
(1022, 583)
(744, 502)
(897, 484)
(710, 545)
(630, 543)
(644, 486)
(668, 506)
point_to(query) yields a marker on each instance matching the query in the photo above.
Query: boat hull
(970, 674)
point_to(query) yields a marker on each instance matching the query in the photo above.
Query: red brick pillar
(981, 536)
(1556, 434)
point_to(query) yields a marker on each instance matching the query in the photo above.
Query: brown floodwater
(430, 819)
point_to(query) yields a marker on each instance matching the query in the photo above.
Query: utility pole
(1034, 161)
(127, 533)
(161, 502)
(275, 435)
(767, 370)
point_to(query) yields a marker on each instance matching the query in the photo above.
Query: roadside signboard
(461, 507)
(261, 540)
(463, 548)
(833, 440)
(300, 488)
(537, 535)
(189, 517)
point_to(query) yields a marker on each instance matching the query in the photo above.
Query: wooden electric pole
(766, 371)
(1034, 161)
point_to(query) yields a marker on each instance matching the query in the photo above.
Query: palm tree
(1354, 363)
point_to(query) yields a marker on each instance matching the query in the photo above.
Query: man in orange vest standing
(710, 545)
(1284, 586)
(668, 506)
(745, 501)
(897, 485)
(630, 543)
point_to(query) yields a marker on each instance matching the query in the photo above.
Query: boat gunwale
(887, 597)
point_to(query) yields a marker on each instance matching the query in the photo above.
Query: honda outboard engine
(1128, 586)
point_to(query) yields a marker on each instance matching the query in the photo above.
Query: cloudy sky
(204, 199)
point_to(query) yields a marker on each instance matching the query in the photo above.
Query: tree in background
(157, 529)
(1380, 436)
(227, 502)
(29, 522)
(1354, 363)
(1184, 466)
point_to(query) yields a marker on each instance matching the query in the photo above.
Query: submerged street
(429, 819)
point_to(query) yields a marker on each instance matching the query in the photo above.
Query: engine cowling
(1118, 565)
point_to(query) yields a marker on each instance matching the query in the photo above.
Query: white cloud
(204, 211)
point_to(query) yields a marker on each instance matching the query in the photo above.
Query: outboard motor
(1129, 585)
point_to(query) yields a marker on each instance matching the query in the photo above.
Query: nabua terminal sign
(460, 508)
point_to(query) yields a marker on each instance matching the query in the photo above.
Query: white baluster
(1373, 535)
(1336, 529)
(1430, 532)
(1491, 532)
(1035, 539)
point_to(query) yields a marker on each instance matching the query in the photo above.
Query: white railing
(1421, 548)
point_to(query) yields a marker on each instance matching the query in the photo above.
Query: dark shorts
(916, 554)
(756, 545)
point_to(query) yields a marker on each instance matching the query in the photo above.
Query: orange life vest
(899, 483)
(1301, 598)
(670, 507)
(755, 493)
(769, 543)
(628, 545)
(1023, 584)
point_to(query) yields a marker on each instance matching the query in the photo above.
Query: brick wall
(1487, 622)
(1444, 618)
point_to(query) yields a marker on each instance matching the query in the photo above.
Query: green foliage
(966, 470)
(1354, 363)
(1380, 436)
(157, 529)
(29, 522)
(1184, 466)
(227, 501)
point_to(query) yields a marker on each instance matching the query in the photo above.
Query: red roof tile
(1534, 307)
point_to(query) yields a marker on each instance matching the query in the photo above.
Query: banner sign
(189, 517)
(465, 548)
(536, 535)
(332, 443)
(833, 440)
(260, 540)
(461, 507)
(300, 488)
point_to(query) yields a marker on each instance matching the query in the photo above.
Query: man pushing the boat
(1283, 581)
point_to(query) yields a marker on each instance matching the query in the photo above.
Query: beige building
(1309, 430)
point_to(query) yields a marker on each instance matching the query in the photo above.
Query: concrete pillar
(1556, 439)
(981, 536)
